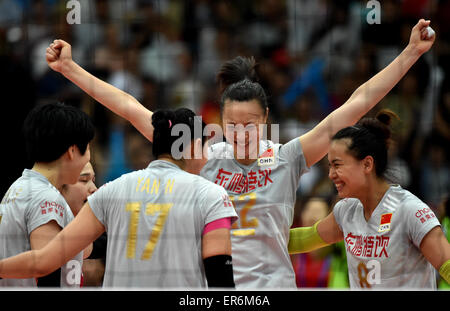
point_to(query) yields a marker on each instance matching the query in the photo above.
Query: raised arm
(316, 142)
(80, 232)
(59, 58)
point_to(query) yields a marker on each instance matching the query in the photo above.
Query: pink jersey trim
(217, 224)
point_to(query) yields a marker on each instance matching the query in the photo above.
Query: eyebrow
(335, 160)
(242, 123)
(86, 174)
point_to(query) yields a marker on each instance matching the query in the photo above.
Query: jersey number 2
(247, 225)
(150, 209)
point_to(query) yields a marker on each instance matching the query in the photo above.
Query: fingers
(54, 49)
(422, 24)
(52, 54)
(50, 51)
(427, 33)
(423, 34)
(50, 57)
(59, 44)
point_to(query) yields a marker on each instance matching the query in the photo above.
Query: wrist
(412, 51)
(67, 67)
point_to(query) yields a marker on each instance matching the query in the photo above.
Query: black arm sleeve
(219, 271)
(51, 280)
(99, 248)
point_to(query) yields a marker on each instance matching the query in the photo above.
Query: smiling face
(348, 173)
(241, 125)
(76, 194)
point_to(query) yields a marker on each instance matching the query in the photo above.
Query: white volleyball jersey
(384, 252)
(32, 201)
(154, 219)
(264, 195)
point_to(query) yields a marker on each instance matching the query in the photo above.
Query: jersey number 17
(150, 209)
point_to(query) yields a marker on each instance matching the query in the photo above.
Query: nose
(331, 173)
(92, 188)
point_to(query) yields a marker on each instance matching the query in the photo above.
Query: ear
(266, 115)
(197, 149)
(368, 164)
(71, 152)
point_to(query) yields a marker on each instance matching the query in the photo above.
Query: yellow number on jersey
(245, 222)
(134, 208)
(151, 209)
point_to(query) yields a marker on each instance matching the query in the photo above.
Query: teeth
(338, 185)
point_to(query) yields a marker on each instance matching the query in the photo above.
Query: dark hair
(238, 80)
(164, 121)
(50, 129)
(447, 206)
(370, 137)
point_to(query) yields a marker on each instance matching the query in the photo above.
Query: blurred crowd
(312, 55)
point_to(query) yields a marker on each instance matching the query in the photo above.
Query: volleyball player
(166, 227)
(392, 238)
(76, 195)
(262, 179)
(33, 210)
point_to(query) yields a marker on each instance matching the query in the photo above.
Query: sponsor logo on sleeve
(226, 201)
(48, 207)
(424, 214)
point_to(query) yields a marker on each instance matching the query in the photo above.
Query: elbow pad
(444, 271)
(305, 239)
(219, 271)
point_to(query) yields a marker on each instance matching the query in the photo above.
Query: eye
(334, 165)
(230, 126)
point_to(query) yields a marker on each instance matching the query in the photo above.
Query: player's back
(154, 220)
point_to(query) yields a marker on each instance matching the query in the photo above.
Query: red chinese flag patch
(385, 222)
(267, 153)
(386, 219)
(266, 158)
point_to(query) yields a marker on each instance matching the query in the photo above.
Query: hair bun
(380, 126)
(386, 116)
(164, 135)
(235, 70)
(163, 120)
